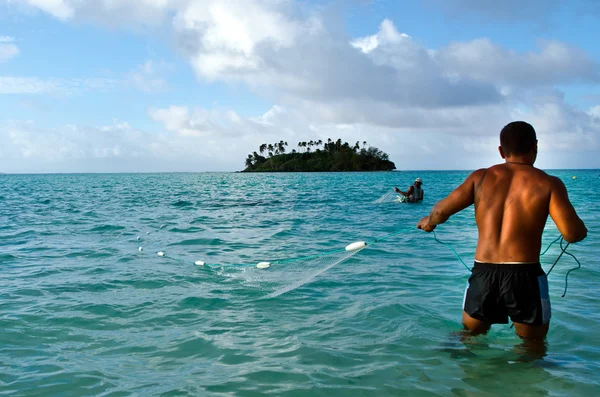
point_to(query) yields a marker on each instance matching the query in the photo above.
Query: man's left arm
(460, 198)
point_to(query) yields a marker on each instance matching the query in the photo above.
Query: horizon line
(266, 172)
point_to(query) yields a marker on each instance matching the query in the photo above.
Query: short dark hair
(517, 137)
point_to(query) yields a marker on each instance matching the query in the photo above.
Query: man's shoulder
(544, 177)
(477, 174)
(554, 181)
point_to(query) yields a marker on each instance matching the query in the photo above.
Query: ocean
(83, 312)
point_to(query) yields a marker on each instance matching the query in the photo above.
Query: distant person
(512, 203)
(414, 193)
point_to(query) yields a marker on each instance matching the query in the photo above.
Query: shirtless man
(512, 203)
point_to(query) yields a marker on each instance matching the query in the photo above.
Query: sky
(194, 86)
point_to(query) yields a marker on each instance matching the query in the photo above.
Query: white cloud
(324, 68)
(8, 51)
(6, 39)
(59, 8)
(26, 141)
(594, 112)
(270, 117)
(119, 147)
(26, 85)
(387, 34)
(34, 85)
(108, 12)
(182, 121)
(225, 36)
(384, 87)
(555, 63)
(565, 128)
(148, 76)
(200, 122)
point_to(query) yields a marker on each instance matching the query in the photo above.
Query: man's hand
(397, 190)
(424, 225)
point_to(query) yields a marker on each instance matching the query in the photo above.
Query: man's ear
(501, 152)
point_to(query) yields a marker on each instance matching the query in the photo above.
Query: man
(512, 203)
(414, 193)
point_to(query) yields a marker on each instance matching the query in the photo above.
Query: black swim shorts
(498, 291)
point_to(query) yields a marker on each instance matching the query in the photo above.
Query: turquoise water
(83, 313)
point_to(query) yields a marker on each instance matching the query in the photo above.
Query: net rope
(271, 279)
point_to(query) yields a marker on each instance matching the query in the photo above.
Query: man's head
(518, 139)
(418, 182)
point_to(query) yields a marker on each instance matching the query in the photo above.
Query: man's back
(511, 208)
(512, 203)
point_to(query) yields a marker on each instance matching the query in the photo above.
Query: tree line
(316, 155)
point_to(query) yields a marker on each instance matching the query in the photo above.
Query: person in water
(414, 193)
(512, 203)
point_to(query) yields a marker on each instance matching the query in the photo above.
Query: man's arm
(407, 193)
(563, 214)
(462, 197)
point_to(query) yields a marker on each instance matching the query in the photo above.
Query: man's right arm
(563, 214)
(460, 198)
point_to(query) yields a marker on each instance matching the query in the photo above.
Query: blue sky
(182, 85)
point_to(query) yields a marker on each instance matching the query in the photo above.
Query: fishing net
(270, 280)
(390, 197)
(263, 280)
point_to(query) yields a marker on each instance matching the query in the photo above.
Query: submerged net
(390, 197)
(284, 276)
(263, 280)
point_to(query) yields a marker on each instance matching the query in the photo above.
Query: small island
(316, 156)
